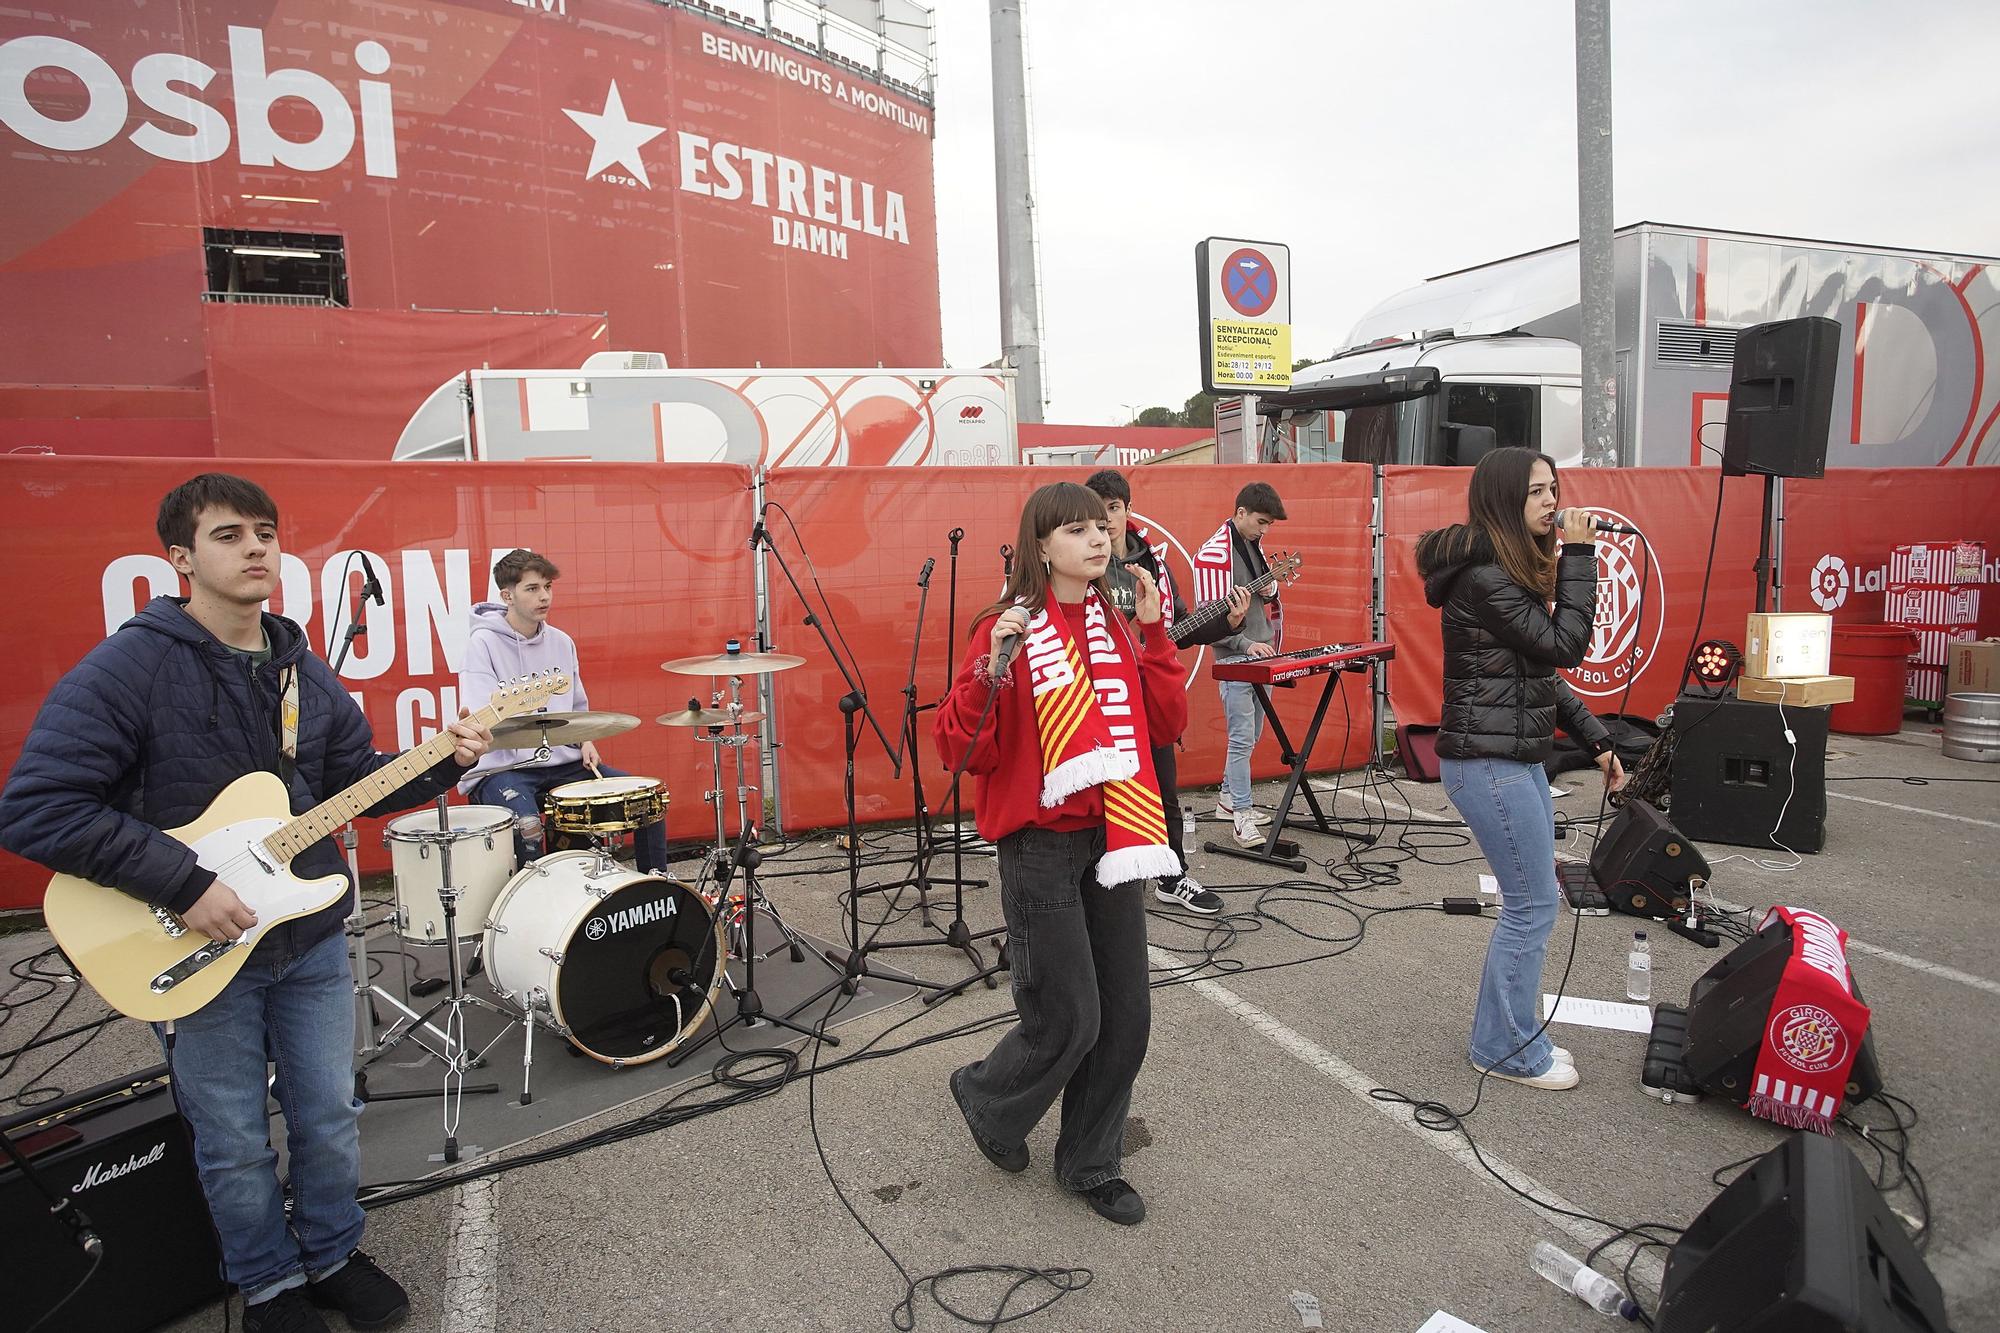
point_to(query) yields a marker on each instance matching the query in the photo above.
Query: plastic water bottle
(1187, 826)
(1639, 969)
(1588, 1285)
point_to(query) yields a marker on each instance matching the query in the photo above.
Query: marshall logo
(99, 1172)
(624, 919)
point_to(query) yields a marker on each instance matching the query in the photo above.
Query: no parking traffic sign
(1246, 314)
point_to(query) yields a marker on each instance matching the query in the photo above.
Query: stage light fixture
(1716, 662)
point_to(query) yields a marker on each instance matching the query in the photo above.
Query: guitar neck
(1210, 611)
(316, 823)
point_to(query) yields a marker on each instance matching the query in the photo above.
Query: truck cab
(1431, 399)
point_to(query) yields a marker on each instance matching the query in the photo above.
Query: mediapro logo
(971, 412)
(1626, 634)
(183, 128)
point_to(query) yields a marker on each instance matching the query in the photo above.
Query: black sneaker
(1015, 1160)
(1118, 1202)
(287, 1312)
(369, 1297)
(1187, 892)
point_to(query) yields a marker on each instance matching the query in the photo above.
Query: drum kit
(623, 965)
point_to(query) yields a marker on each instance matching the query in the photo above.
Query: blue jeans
(1076, 953)
(1246, 722)
(298, 1011)
(520, 790)
(1506, 805)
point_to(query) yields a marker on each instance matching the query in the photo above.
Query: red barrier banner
(868, 532)
(653, 567)
(1840, 529)
(1643, 633)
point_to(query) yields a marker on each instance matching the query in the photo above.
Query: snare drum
(604, 805)
(481, 838)
(625, 965)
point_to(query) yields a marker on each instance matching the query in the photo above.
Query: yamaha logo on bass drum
(643, 915)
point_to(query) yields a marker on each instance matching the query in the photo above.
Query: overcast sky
(1388, 142)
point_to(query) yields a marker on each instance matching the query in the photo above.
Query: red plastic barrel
(1878, 657)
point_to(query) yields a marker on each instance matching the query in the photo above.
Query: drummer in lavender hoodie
(510, 639)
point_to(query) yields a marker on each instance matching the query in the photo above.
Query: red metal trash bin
(1878, 657)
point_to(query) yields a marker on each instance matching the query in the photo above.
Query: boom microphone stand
(854, 959)
(356, 925)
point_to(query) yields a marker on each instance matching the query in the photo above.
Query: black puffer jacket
(1502, 649)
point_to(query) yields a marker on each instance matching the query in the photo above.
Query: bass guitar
(1283, 570)
(145, 961)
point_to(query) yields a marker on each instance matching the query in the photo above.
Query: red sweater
(1006, 755)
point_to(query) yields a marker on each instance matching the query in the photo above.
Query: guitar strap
(288, 723)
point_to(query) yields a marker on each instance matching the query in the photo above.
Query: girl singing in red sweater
(1056, 713)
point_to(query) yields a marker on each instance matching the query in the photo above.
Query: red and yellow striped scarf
(1093, 730)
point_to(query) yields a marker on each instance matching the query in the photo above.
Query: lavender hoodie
(498, 654)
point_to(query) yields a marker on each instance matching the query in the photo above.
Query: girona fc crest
(1631, 609)
(1808, 1038)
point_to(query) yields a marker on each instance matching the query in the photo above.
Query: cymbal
(706, 717)
(733, 664)
(529, 729)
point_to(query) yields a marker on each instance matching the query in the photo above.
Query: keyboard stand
(1281, 851)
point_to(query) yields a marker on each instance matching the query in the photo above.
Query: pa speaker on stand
(1781, 398)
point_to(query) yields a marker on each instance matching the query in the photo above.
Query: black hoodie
(1503, 698)
(155, 721)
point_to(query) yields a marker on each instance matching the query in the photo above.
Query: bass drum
(624, 965)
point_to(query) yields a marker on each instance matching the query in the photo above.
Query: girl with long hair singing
(1494, 577)
(1060, 740)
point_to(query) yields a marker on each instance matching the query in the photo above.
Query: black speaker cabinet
(1781, 398)
(1737, 780)
(1644, 865)
(120, 1151)
(1728, 1008)
(1802, 1242)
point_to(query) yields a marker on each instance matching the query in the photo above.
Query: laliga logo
(1626, 633)
(1830, 583)
(1808, 1038)
(192, 130)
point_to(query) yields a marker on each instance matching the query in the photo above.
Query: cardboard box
(1784, 644)
(1925, 685)
(1937, 562)
(1973, 668)
(1796, 691)
(1931, 606)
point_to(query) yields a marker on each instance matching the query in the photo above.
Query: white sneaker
(1246, 833)
(1224, 811)
(1559, 1078)
(1563, 1057)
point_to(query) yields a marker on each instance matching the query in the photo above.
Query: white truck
(628, 407)
(1489, 356)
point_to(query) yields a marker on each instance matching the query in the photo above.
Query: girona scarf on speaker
(1813, 1031)
(1093, 730)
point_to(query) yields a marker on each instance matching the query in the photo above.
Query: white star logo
(615, 137)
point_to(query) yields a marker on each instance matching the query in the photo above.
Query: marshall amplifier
(122, 1154)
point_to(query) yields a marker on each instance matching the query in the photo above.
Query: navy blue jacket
(154, 722)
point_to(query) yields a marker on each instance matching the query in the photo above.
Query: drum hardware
(543, 731)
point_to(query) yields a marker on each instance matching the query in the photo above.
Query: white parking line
(472, 1259)
(1914, 810)
(1648, 1268)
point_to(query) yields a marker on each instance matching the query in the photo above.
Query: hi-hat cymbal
(530, 729)
(733, 664)
(706, 717)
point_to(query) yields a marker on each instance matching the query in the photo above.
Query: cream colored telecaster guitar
(145, 961)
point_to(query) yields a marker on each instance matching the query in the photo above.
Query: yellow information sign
(1250, 354)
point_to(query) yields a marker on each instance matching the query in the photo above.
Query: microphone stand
(854, 959)
(356, 924)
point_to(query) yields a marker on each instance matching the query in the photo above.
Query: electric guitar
(1285, 569)
(145, 961)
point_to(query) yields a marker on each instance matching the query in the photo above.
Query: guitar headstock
(1285, 569)
(527, 693)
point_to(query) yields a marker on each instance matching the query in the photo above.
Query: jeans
(521, 789)
(1506, 805)
(296, 1010)
(1166, 770)
(1246, 722)
(1076, 952)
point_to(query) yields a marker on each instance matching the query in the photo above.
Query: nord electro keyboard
(1302, 662)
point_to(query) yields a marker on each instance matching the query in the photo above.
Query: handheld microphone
(1602, 526)
(924, 579)
(1008, 646)
(371, 587)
